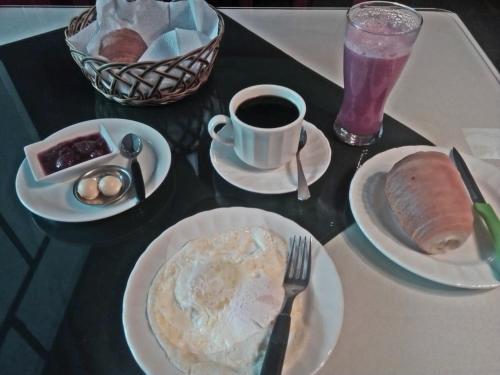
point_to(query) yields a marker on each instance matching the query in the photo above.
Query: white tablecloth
(396, 323)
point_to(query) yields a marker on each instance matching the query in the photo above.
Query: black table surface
(62, 284)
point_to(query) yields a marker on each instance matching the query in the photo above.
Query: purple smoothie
(367, 84)
(378, 41)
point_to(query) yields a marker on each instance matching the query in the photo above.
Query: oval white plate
(57, 202)
(323, 312)
(466, 267)
(315, 158)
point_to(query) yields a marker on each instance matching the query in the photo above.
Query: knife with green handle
(482, 208)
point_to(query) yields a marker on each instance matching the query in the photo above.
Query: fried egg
(211, 306)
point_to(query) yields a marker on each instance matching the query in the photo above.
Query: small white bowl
(33, 150)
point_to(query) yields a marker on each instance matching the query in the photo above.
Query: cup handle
(214, 122)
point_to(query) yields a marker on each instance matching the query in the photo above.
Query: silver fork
(298, 272)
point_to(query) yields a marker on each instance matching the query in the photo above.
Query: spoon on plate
(302, 188)
(130, 147)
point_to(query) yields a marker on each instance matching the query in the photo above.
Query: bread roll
(429, 199)
(122, 45)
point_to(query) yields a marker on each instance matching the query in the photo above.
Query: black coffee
(267, 111)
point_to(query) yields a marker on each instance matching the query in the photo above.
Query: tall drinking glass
(378, 41)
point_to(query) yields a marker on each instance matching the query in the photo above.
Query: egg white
(211, 305)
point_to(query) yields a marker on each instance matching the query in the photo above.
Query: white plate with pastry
(180, 316)
(56, 201)
(470, 263)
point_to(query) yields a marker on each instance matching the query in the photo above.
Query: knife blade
(467, 178)
(483, 208)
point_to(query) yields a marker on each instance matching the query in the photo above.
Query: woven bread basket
(145, 83)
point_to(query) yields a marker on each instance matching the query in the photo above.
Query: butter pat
(87, 188)
(110, 185)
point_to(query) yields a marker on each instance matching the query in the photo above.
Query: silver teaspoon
(130, 147)
(302, 188)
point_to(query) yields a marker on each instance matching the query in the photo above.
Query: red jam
(72, 152)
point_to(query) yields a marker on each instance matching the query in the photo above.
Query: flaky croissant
(429, 199)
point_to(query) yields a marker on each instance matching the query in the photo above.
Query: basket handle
(216, 121)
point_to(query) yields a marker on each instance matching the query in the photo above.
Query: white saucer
(469, 266)
(324, 298)
(315, 158)
(57, 202)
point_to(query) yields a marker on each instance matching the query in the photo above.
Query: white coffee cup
(263, 148)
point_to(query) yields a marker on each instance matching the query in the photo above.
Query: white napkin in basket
(169, 29)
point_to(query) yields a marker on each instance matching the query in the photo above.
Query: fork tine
(296, 250)
(308, 273)
(299, 272)
(290, 257)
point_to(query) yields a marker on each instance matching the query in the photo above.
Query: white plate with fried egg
(254, 240)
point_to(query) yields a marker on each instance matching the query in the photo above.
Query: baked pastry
(122, 45)
(429, 199)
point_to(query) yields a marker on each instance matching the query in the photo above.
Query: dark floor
(482, 17)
